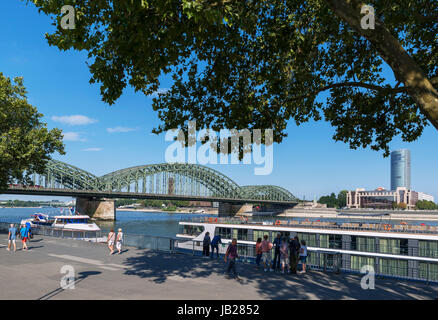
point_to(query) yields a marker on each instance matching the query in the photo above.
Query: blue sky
(308, 162)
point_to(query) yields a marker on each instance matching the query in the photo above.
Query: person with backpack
(215, 245)
(29, 231)
(231, 255)
(206, 245)
(24, 234)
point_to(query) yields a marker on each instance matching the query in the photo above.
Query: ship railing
(327, 261)
(379, 227)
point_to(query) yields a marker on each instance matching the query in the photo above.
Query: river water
(151, 223)
(163, 224)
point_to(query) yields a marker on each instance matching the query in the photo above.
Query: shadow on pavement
(82, 276)
(158, 267)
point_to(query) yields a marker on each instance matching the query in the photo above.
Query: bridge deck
(133, 195)
(143, 274)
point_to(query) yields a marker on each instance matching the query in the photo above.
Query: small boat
(38, 219)
(67, 222)
(75, 223)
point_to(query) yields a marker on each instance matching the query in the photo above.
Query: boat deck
(374, 227)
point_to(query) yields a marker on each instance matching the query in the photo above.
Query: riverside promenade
(145, 274)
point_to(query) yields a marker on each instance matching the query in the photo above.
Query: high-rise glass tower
(400, 169)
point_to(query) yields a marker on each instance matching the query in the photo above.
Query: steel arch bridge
(165, 178)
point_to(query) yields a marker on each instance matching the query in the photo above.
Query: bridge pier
(229, 209)
(99, 209)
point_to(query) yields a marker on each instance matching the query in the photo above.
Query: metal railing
(379, 227)
(57, 232)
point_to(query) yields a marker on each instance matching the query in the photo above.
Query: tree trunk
(405, 69)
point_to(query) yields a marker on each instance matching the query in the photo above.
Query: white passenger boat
(75, 223)
(65, 222)
(392, 249)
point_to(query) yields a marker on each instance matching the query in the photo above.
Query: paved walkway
(143, 274)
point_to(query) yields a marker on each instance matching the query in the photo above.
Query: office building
(381, 198)
(400, 169)
(425, 196)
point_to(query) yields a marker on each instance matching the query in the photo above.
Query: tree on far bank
(342, 198)
(264, 64)
(25, 142)
(331, 201)
(402, 205)
(426, 205)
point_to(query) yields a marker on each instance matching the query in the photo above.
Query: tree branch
(406, 69)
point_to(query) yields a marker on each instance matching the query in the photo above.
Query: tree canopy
(426, 205)
(262, 64)
(335, 202)
(25, 142)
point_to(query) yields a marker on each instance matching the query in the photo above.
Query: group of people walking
(287, 254)
(24, 232)
(116, 239)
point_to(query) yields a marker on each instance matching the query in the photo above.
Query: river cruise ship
(398, 249)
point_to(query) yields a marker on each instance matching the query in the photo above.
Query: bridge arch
(266, 192)
(64, 175)
(176, 178)
(164, 178)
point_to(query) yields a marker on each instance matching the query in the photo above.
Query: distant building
(381, 198)
(400, 169)
(200, 204)
(425, 196)
(310, 205)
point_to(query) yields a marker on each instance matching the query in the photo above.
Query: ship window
(366, 244)
(404, 247)
(428, 248)
(192, 230)
(393, 267)
(394, 246)
(242, 234)
(428, 271)
(260, 234)
(357, 262)
(225, 233)
(333, 241)
(310, 238)
(324, 240)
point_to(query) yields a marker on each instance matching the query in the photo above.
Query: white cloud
(72, 136)
(74, 120)
(120, 129)
(92, 149)
(160, 90)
